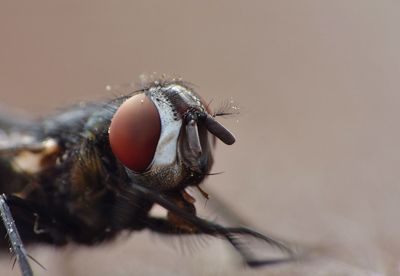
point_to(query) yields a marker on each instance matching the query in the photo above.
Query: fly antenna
(219, 130)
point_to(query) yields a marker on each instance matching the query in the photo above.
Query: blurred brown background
(317, 157)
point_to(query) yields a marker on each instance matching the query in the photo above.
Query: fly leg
(231, 234)
(35, 224)
(195, 225)
(16, 242)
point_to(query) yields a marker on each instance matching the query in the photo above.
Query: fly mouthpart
(193, 138)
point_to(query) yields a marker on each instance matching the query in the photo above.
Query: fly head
(164, 136)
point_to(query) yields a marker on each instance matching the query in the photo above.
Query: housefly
(94, 170)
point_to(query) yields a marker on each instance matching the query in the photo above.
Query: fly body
(94, 170)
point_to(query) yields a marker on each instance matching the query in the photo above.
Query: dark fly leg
(16, 242)
(35, 224)
(232, 234)
(202, 226)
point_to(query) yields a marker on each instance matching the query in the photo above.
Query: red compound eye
(134, 132)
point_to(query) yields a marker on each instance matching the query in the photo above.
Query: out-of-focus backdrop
(317, 155)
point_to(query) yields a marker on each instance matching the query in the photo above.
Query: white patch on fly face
(166, 151)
